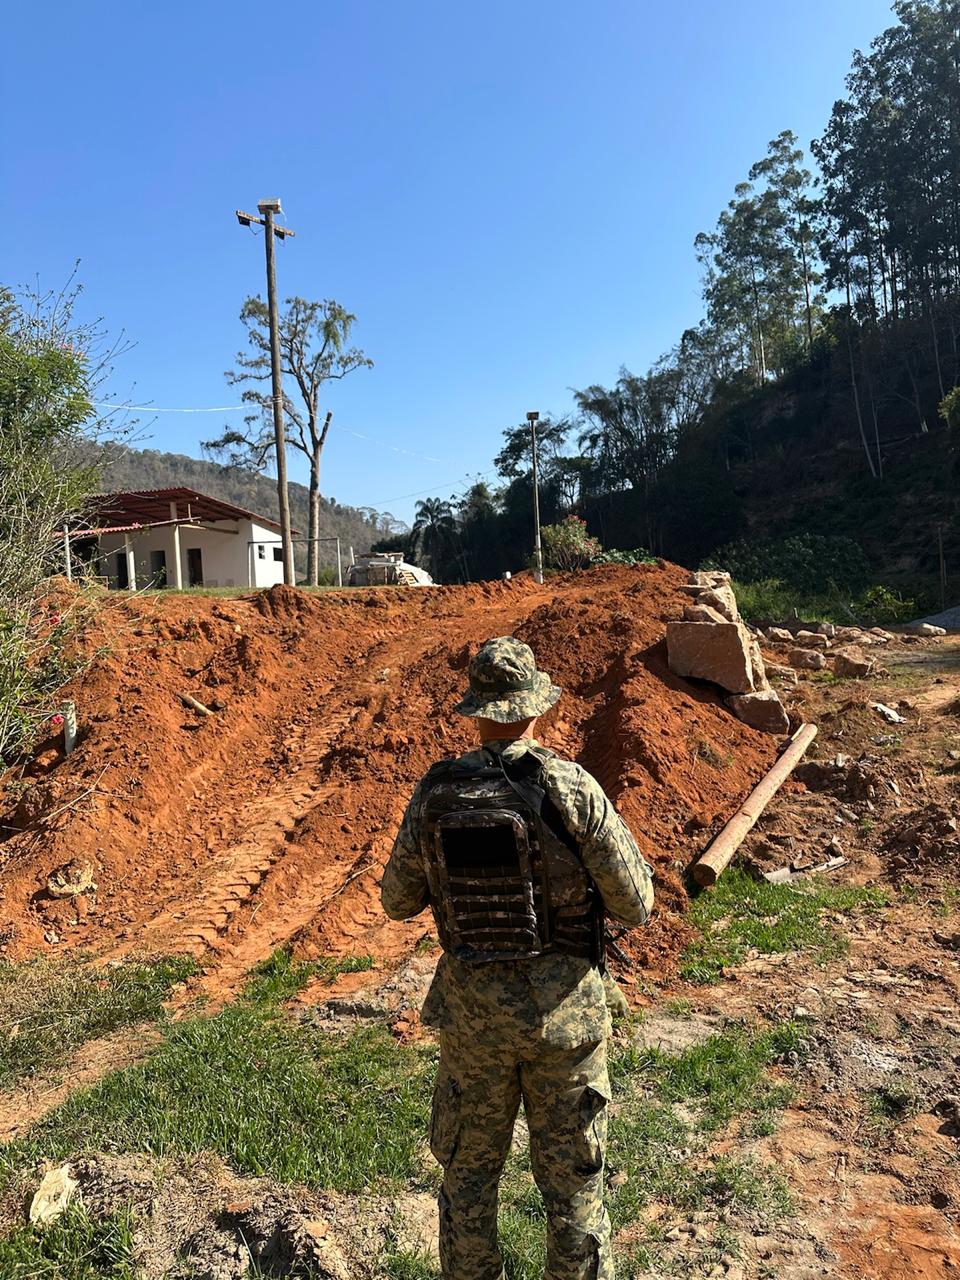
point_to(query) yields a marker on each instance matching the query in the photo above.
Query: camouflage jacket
(555, 998)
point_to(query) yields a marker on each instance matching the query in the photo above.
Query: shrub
(639, 555)
(809, 563)
(47, 378)
(568, 545)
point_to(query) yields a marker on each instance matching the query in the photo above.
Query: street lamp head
(533, 416)
(270, 206)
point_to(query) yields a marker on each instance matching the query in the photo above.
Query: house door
(123, 577)
(194, 567)
(158, 568)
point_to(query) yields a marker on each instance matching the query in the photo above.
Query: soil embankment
(268, 821)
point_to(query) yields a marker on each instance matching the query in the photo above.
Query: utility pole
(268, 208)
(533, 417)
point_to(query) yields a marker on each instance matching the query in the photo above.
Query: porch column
(131, 563)
(177, 571)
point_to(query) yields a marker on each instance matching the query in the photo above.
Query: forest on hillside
(125, 468)
(806, 402)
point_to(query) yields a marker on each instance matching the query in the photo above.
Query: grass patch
(280, 976)
(73, 1248)
(270, 1096)
(722, 1076)
(48, 1008)
(407, 1264)
(741, 914)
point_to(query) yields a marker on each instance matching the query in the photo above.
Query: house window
(261, 551)
(278, 554)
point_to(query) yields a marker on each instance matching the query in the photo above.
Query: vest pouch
(485, 867)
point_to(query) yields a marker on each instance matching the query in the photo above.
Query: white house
(178, 538)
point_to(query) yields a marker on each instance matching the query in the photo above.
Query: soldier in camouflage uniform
(532, 1029)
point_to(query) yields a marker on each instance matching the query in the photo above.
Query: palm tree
(433, 534)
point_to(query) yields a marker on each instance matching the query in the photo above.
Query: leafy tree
(314, 350)
(49, 370)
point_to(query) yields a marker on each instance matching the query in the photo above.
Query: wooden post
(177, 570)
(720, 853)
(339, 566)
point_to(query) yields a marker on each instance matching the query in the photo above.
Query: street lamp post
(270, 229)
(533, 418)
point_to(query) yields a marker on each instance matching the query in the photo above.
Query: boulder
(780, 635)
(806, 659)
(849, 633)
(722, 599)
(712, 651)
(702, 613)
(852, 663)
(827, 629)
(709, 578)
(812, 640)
(762, 710)
(781, 673)
(926, 629)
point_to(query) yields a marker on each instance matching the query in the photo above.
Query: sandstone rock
(926, 629)
(757, 669)
(780, 635)
(827, 629)
(806, 659)
(853, 663)
(849, 633)
(722, 599)
(702, 613)
(762, 710)
(812, 640)
(712, 651)
(709, 578)
(781, 673)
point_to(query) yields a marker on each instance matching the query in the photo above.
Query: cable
(237, 408)
(473, 478)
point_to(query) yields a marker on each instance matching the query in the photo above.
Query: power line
(238, 408)
(472, 477)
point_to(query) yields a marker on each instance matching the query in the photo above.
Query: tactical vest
(506, 878)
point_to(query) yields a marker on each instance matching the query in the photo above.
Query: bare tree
(313, 351)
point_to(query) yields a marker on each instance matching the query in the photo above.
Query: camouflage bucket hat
(505, 684)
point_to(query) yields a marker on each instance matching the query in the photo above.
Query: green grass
(723, 1075)
(280, 976)
(270, 1096)
(73, 1248)
(48, 1008)
(741, 914)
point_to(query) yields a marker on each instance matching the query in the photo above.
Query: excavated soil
(268, 821)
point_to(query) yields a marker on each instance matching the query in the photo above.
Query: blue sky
(505, 194)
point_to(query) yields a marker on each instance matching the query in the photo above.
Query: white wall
(228, 558)
(265, 569)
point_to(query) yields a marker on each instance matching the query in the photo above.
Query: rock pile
(712, 643)
(839, 648)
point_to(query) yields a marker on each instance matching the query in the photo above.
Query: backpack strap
(526, 778)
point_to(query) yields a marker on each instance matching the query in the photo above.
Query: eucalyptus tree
(314, 351)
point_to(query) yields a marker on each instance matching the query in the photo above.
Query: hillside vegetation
(807, 401)
(151, 469)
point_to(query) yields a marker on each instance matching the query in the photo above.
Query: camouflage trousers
(564, 1093)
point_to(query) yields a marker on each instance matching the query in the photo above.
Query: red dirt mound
(267, 821)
